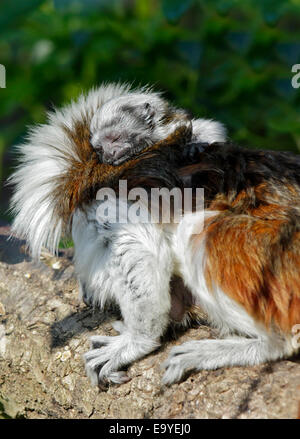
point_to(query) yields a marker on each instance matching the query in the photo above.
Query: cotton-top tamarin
(241, 268)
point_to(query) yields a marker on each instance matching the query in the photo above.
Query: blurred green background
(227, 59)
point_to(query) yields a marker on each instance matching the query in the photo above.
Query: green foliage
(225, 59)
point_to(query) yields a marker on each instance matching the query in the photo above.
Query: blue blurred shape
(191, 51)
(224, 6)
(289, 52)
(271, 17)
(284, 88)
(239, 41)
(85, 5)
(80, 37)
(174, 9)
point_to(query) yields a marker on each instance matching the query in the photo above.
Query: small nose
(116, 154)
(117, 151)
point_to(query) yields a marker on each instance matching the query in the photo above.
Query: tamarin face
(123, 127)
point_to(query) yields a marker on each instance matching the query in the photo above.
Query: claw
(97, 341)
(110, 354)
(119, 377)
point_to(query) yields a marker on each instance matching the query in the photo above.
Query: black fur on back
(225, 167)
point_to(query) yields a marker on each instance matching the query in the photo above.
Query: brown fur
(253, 252)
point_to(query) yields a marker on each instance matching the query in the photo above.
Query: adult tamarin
(242, 269)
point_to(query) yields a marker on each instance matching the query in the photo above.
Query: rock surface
(44, 331)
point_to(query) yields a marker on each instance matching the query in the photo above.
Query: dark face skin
(114, 149)
(123, 135)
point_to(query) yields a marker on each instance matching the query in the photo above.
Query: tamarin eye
(112, 137)
(148, 120)
(148, 113)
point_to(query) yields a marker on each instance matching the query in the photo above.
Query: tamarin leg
(212, 354)
(135, 272)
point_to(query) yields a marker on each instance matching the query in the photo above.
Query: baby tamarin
(242, 269)
(125, 125)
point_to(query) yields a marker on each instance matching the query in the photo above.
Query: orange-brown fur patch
(253, 254)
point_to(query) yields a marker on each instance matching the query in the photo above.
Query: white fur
(130, 264)
(208, 130)
(114, 106)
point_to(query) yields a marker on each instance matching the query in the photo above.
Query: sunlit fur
(251, 224)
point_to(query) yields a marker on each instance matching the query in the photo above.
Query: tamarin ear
(147, 112)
